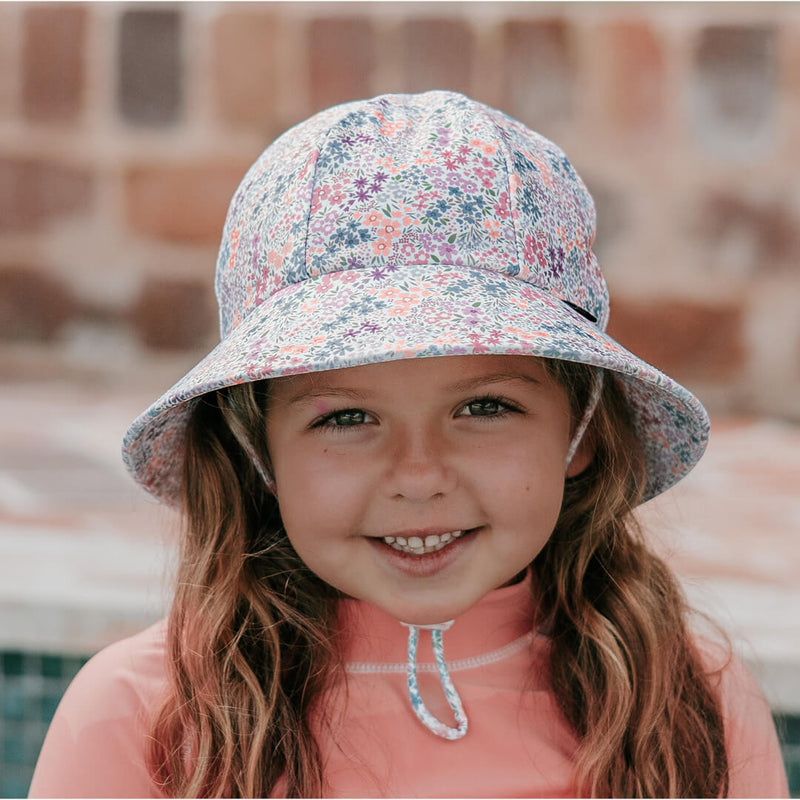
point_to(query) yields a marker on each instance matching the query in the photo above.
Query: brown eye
(481, 408)
(349, 417)
(340, 421)
(490, 408)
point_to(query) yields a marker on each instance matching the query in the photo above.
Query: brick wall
(124, 129)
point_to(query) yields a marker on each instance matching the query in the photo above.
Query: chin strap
(591, 405)
(453, 700)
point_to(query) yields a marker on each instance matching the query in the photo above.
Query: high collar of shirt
(500, 620)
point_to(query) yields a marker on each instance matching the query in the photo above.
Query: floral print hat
(411, 226)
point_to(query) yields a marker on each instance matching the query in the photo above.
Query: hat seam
(311, 193)
(511, 199)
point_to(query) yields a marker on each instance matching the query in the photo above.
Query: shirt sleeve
(95, 746)
(755, 762)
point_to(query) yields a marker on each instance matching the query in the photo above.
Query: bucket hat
(412, 226)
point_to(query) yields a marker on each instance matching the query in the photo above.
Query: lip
(427, 564)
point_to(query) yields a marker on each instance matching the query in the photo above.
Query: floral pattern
(412, 226)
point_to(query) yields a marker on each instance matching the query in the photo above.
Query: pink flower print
(420, 201)
(410, 254)
(528, 336)
(449, 162)
(425, 158)
(373, 218)
(337, 197)
(382, 247)
(487, 148)
(492, 227)
(389, 164)
(446, 338)
(475, 343)
(391, 129)
(320, 195)
(400, 310)
(235, 233)
(503, 207)
(533, 250)
(324, 226)
(486, 176)
(434, 316)
(390, 228)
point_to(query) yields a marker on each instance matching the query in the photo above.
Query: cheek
(317, 499)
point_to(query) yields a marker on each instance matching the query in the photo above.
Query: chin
(429, 614)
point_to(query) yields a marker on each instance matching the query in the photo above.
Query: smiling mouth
(415, 545)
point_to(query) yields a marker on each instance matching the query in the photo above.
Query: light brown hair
(252, 636)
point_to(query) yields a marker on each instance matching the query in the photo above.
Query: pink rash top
(517, 745)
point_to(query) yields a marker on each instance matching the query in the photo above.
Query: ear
(583, 456)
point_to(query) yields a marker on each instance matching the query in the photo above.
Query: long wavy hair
(252, 644)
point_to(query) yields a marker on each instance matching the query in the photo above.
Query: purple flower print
(377, 181)
(323, 226)
(556, 258)
(433, 172)
(447, 251)
(443, 137)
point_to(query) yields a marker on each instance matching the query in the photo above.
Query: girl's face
(417, 449)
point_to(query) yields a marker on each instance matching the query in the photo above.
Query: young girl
(407, 472)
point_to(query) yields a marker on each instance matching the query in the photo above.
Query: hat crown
(404, 180)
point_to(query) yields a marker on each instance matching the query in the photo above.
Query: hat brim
(364, 316)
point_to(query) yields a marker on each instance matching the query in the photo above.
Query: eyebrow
(458, 386)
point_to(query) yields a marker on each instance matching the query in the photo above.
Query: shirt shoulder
(755, 761)
(95, 746)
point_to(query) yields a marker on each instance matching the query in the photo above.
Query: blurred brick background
(125, 128)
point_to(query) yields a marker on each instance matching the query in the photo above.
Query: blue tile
(52, 666)
(13, 785)
(14, 750)
(13, 706)
(13, 663)
(788, 726)
(793, 773)
(48, 706)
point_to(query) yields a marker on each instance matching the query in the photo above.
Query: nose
(421, 466)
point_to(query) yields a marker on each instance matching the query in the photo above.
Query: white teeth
(415, 545)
